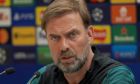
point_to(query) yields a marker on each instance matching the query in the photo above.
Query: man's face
(68, 41)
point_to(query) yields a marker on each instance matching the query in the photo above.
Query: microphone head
(10, 70)
(37, 74)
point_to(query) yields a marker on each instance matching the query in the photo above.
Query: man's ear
(90, 33)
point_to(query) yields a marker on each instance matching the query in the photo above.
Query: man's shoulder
(119, 75)
(41, 71)
(46, 68)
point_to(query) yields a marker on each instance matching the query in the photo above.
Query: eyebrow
(71, 31)
(53, 35)
(66, 33)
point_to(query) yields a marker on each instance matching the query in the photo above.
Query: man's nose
(64, 45)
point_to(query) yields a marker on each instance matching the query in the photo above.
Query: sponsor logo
(41, 37)
(123, 14)
(122, 1)
(124, 34)
(39, 14)
(5, 17)
(23, 2)
(44, 55)
(97, 14)
(5, 2)
(101, 34)
(100, 13)
(3, 56)
(4, 36)
(23, 36)
(24, 54)
(124, 52)
(23, 16)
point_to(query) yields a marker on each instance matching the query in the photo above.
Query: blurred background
(23, 44)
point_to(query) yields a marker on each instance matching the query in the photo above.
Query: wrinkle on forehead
(64, 23)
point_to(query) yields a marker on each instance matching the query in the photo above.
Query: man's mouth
(67, 59)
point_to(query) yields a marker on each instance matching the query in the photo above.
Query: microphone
(8, 71)
(36, 75)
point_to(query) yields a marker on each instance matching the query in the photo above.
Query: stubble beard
(77, 64)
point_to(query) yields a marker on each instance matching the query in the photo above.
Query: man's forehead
(66, 31)
(69, 19)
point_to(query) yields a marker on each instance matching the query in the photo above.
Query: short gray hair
(60, 7)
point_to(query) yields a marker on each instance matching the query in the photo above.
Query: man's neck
(76, 77)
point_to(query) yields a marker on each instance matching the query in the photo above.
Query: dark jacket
(103, 70)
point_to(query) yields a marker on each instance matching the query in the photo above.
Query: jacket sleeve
(36, 80)
(119, 75)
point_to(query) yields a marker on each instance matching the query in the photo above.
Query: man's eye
(72, 35)
(54, 38)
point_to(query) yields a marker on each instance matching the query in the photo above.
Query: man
(68, 31)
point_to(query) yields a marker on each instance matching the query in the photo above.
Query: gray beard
(77, 64)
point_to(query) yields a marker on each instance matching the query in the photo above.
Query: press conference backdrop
(23, 45)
